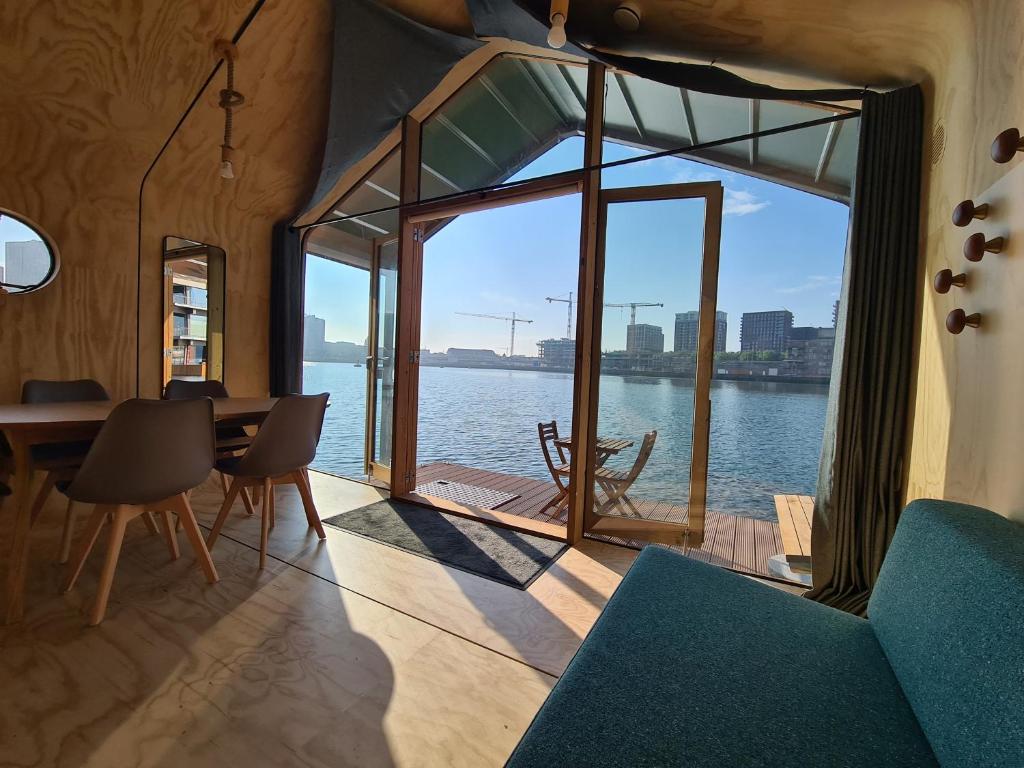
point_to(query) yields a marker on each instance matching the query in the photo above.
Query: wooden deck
(740, 543)
(795, 514)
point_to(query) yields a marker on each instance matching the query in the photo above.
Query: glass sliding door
(380, 363)
(657, 280)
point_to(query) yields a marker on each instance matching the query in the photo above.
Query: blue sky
(781, 248)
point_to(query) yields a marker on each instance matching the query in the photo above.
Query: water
(765, 437)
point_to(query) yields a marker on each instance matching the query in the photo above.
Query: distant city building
(810, 351)
(835, 314)
(26, 262)
(765, 331)
(642, 337)
(314, 335)
(557, 353)
(686, 331)
(457, 355)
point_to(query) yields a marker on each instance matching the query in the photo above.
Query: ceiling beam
(580, 98)
(383, 190)
(546, 99)
(493, 89)
(465, 139)
(634, 113)
(691, 127)
(826, 151)
(442, 178)
(361, 222)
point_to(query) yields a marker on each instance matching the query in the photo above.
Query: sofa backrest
(948, 610)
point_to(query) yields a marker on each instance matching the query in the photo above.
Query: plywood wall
(968, 436)
(90, 93)
(283, 70)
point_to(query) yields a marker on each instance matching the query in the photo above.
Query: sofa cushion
(692, 665)
(948, 610)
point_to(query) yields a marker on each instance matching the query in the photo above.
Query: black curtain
(860, 485)
(287, 288)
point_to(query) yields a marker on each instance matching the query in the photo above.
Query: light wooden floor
(341, 653)
(743, 544)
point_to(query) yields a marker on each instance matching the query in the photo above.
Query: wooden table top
(605, 444)
(30, 416)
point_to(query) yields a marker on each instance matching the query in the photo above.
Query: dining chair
(615, 483)
(231, 438)
(60, 460)
(280, 453)
(548, 433)
(147, 456)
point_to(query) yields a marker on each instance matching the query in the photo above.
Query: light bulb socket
(226, 170)
(556, 36)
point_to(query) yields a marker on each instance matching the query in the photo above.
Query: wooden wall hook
(957, 320)
(945, 279)
(1007, 144)
(967, 210)
(976, 246)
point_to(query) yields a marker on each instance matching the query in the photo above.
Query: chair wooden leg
(302, 481)
(247, 501)
(120, 520)
(273, 506)
(68, 533)
(265, 522)
(195, 537)
(257, 495)
(49, 481)
(147, 518)
(225, 508)
(92, 531)
(223, 483)
(170, 533)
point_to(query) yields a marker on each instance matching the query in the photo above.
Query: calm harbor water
(765, 437)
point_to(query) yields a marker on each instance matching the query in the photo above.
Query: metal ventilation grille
(938, 143)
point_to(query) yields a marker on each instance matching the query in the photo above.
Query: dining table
(30, 424)
(605, 447)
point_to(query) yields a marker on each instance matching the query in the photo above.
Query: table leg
(17, 562)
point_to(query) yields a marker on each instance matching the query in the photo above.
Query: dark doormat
(505, 556)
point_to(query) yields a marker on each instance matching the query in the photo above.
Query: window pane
(498, 124)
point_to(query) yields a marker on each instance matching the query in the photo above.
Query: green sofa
(690, 665)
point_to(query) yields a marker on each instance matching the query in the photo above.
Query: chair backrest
(948, 611)
(79, 390)
(287, 438)
(646, 447)
(146, 451)
(4, 490)
(185, 389)
(548, 433)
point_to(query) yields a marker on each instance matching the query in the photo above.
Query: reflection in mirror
(29, 257)
(193, 310)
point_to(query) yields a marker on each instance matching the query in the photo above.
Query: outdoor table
(606, 447)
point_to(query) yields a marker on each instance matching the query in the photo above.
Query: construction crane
(569, 302)
(511, 319)
(632, 307)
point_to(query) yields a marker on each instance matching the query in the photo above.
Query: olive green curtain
(860, 484)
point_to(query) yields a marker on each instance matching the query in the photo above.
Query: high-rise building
(810, 350)
(26, 262)
(557, 353)
(765, 331)
(642, 337)
(314, 335)
(686, 331)
(835, 314)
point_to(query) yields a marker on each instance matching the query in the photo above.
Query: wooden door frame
(692, 534)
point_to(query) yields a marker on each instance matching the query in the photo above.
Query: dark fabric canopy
(860, 484)
(384, 65)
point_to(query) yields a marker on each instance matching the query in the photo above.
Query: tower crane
(568, 302)
(632, 307)
(511, 319)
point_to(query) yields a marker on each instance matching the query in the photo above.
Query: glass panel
(643, 116)
(495, 361)
(193, 310)
(653, 254)
(336, 326)
(510, 114)
(28, 263)
(378, 191)
(387, 304)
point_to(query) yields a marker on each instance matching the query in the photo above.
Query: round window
(28, 258)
